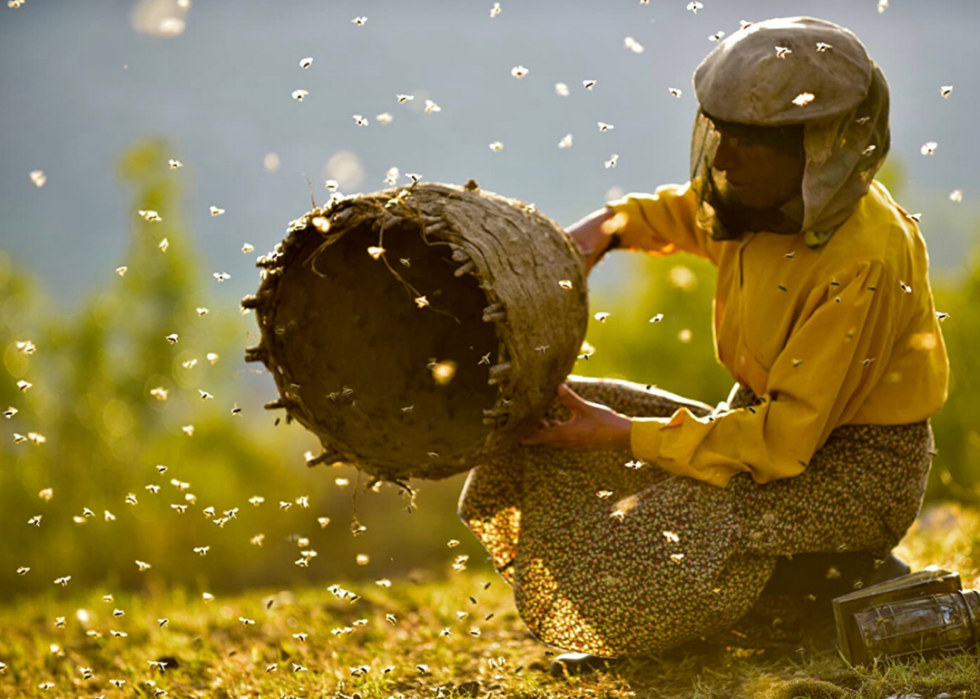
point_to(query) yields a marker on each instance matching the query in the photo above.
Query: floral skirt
(609, 559)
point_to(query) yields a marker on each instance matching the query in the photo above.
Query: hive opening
(378, 370)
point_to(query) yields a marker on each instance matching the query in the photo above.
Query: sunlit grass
(431, 636)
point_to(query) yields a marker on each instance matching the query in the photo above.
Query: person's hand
(591, 427)
(590, 237)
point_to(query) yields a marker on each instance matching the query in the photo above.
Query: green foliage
(105, 433)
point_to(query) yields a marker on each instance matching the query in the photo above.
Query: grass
(420, 637)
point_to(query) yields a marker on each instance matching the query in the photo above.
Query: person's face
(760, 176)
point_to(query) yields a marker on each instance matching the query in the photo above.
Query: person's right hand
(590, 237)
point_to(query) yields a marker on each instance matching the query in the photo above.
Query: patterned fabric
(610, 559)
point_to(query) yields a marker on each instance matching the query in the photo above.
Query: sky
(85, 79)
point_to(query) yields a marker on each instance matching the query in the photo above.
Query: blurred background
(98, 97)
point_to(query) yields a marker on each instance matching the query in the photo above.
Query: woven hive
(417, 330)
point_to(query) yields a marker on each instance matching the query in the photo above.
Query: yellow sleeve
(816, 383)
(663, 223)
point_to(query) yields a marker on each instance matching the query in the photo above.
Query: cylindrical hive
(419, 329)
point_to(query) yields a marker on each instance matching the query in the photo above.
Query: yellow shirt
(842, 334)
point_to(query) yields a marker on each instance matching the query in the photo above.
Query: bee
(35, 520)
(942, 316)
(694, 6)
(495, 10)
(613, 159)
(782, 51)
(23, 570)
(162, 622)
(929, 148)
(589, 84)
(172, 338)
(221, 276)
(143, 566)
(601, 317)
(431, 107)
(823, 47)
(566, 141)
(23, 385)
(360, 120)
(131, 499)
(300, 95)
(905, 287)
(202, 550)
(603, 126)
(174, 164)
(946, 91)
(803, 99)
(10, 412)
(181, 509)
(359, 21)
(519, 72)
(717, 36)
(675, 92)
(305, 63)
(63, 581)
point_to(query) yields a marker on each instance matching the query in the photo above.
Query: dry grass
(209, 652)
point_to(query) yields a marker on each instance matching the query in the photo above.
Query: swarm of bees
(326, 221)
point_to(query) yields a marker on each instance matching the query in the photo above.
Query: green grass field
(426, 636)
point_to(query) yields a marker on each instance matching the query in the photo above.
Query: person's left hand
(591, 427)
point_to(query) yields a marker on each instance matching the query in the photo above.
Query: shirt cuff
(645, 437)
